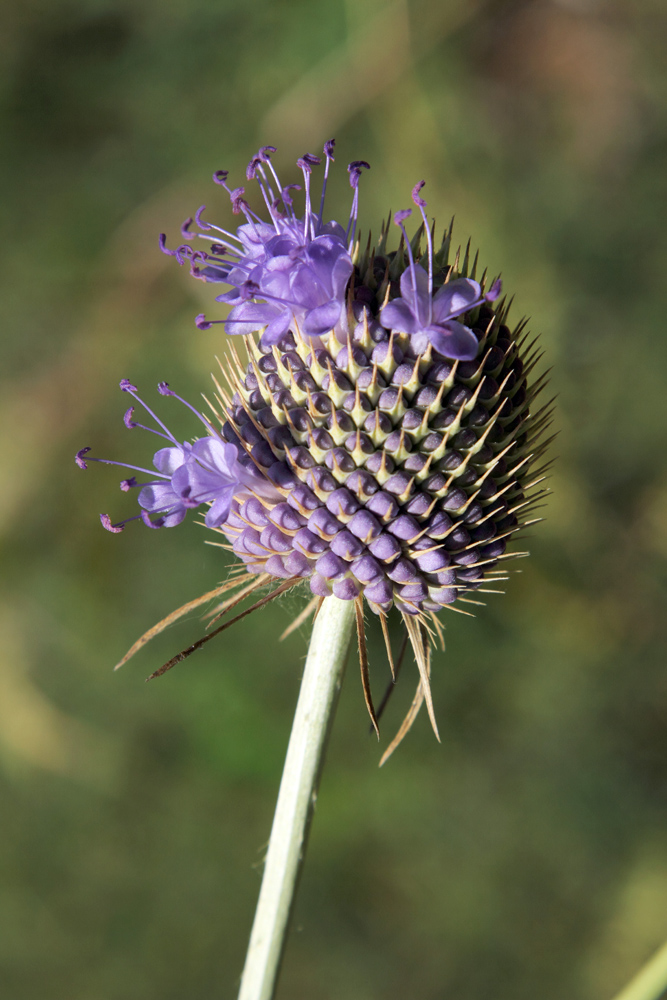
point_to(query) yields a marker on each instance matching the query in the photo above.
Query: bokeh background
(524, 857)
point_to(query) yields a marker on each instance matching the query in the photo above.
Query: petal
(454, 340)
(281, 245)
(322, 319)
(214, 274)
(455, 298)
(230, 298)
(397, 315)
(218, 455)
(174, 517)
(277, 328)
(340, 275)
(158, 498)
(254, 238)
(251, 316)
(307, 288)
(219, 512)
(167, 460)
(421, 281)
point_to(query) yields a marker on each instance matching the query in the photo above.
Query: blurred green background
(524, 857)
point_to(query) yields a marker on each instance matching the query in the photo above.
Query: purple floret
(290, 272)
(432, 319)
(208, 471)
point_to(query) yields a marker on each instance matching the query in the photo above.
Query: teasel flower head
(380, 443)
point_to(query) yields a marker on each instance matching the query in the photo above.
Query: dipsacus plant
(380, 446)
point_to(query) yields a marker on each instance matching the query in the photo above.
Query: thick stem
(320, 686)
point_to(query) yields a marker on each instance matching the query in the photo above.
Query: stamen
(200, 222)
(399, 219)
(354, 169)
(164, 390)
(421, 205)
(306, 164)
(127, 386)
(158, 523)
(114, 528)
(328, 152)
(205, 324)
(108, 461)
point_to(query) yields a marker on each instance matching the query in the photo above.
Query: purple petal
(322, 319)
(277, 328)
(421, 281)
(455, 298)
(158, 498)
(397, 315)
(168, 460)
(454, 340)
(219, 511)
(218, 454)
(251, 316)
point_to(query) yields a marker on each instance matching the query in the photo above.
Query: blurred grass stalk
(650, 983)
(318, 697)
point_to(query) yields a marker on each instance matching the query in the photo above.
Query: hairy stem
(298, 791)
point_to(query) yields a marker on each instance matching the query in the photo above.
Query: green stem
(315, 709)
(650, 983)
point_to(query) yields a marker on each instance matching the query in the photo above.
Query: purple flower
(429, 318)
(207, 471)
(289, 273)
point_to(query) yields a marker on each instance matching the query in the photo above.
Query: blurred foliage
(527, 855)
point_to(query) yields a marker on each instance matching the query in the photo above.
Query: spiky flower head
(380, 442)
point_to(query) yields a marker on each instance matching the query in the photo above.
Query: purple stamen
(399, 219)
(328, 152)
(79, 459)
(306, 163)
(251, 169)
(109, 461)
(421, 205)
(204, 324)
(162, 242)
(114, 528)
(158, 523)
(127, 386)
(419, 202)
(164, 390)
(354, 169)
(198, 219)
(131, 424)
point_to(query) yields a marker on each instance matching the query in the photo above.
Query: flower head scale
(206, 471)
(392, 460)
(285, 273)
